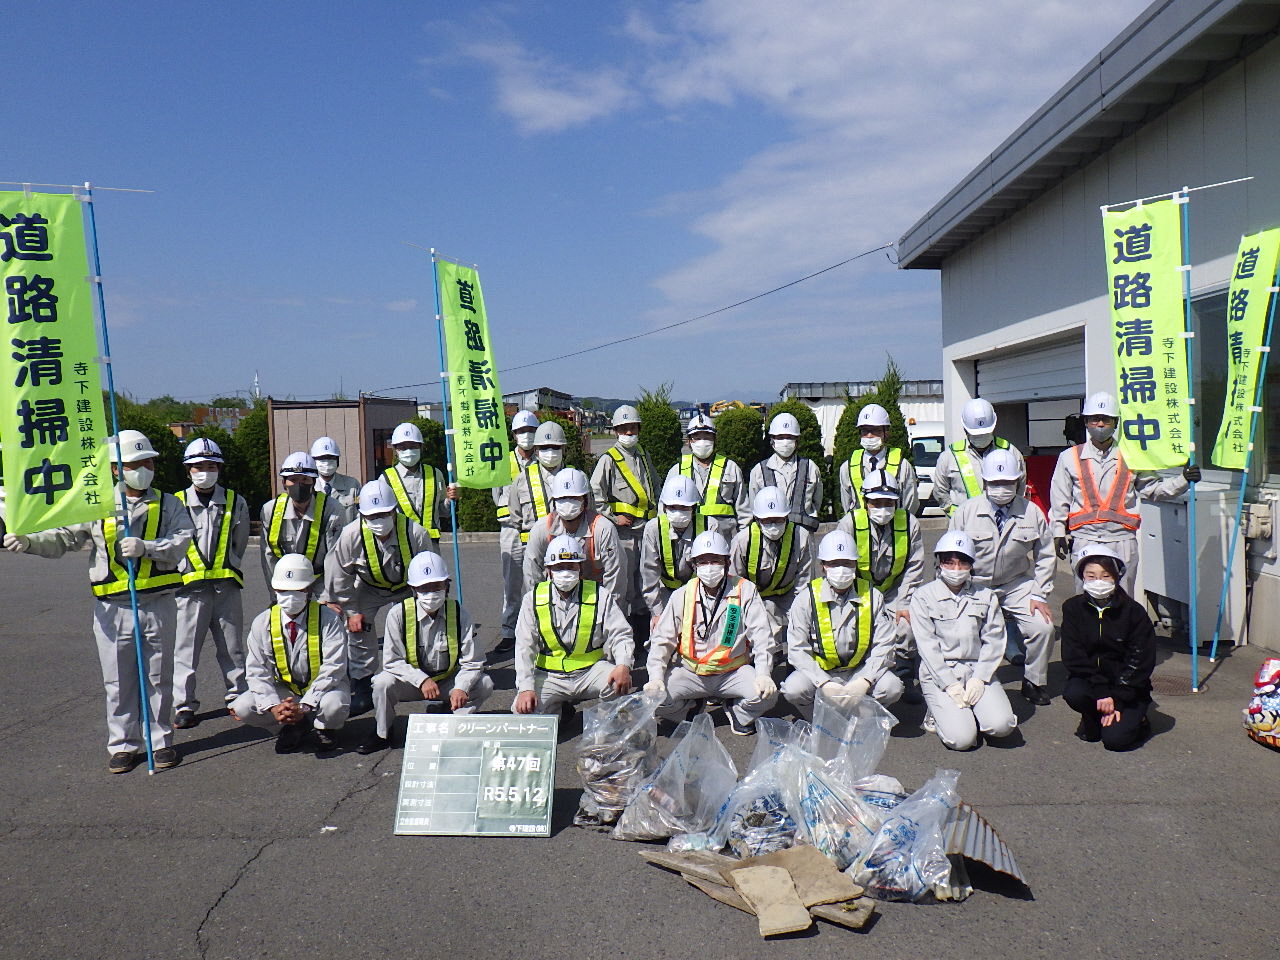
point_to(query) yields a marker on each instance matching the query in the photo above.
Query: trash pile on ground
(810, 830)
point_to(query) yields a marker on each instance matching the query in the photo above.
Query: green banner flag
(1247, 307)
(481, 452)
(51, 418)
(1144, 257)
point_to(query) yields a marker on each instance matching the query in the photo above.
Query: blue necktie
(1001, 516)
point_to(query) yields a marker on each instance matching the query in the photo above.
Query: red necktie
(293, 632)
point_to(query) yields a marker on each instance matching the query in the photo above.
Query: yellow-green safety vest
(146, 579)
(218, 568)
(276, 530)
(964, 463)
(376, 577)
(537, 496)
(642, 509)
(554, 654)
(668, 575)
(893, 464)
(862, 537)
(825, 650)
(280, 651)
(429, 490)
(712, 506)
(777, 585)
(410, 608)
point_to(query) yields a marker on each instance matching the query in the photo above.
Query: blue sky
(610, 167)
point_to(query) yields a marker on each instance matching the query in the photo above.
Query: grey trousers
(512, 579)
(388, 690)
(630, 538)
(958, 726)
(212, 607)
(800, 691)
(1037, 632)
(684, 687)
(113, 634)
(330, 713)
(554, 689)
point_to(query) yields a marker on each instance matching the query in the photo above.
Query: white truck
(928, 440)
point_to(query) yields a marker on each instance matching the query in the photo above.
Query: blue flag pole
(448, 431)
(143, 678)
(1189, 336)
(1256, 409)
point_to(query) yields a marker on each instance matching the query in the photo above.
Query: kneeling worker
(573, 642)
(296, 665)
(840, 632)
(430, 652)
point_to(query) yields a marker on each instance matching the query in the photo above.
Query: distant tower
(257, 390)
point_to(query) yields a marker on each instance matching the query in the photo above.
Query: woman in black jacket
(1109, 650)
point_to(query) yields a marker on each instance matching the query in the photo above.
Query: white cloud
(402, 306)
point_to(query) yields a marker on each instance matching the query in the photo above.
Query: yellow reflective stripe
(281, 654)
(775, 586)
(893, 464)
(275, 534)
(827, 653)
(537, 496)
(862, 536)
(219, 568)
(711, 506)
(427, 517)
(503, 512)
(376, 577)
(668, 575)
(964, 463)
(410, 608)
(144, 579)
(643, 507)
(555, 656)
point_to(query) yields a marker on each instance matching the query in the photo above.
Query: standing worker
(874, 453)
(798, 478)
(510, 541)
(573, 642)
(1094, 495)
(337, 486)
(161, 530)
(300, 520)
(209, 600)
(840, 632)
(725, 505)
(419, 487)
(623, 484)
(366, 571)
(531, 497)
(572, 514)
(1015, 558)
(665, 563)
(957, 474)
(776, 555)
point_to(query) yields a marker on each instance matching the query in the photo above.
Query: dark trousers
(1124, 734)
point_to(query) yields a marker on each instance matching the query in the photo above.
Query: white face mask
(881, 515)
(710, 574)
(381, 526)
(550, 457)
(326, 466)
(628, 441)
(1099, 589)
(1001, 496)
(204, 479)
(569, 508)
(292, 602)
(871, 444)
(408, 458)
(954, 578)
(702, 448)
(680, 517)
(1101, 434)
(784, 448)
(429, 601)
(139, 478)
(773, 529)
(565, 580)
(841, 578)
(524, 439)
(981, 441)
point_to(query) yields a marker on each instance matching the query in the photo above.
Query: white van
(927, 443)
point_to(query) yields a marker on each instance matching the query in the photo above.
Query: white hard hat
(837, 545)
(563, 549)
(1094, 551)
(298, 464)
(292, 572)
(625, 414)
(376, 497)
(709, 543)
(550, 434)
(569, 482)
(202, 448)
(873, 415)
(679, 491)
(325, 447)
(699, 423)
(956, 541)
(131, 447)
(769, 505)
(406, 433)
(1001, 464)
(881, 484)
(784, 425)
(524, 420)
(978, 416)
(426, 567)
(1100, 405)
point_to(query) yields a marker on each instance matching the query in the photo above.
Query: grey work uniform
(949, 490)
(510, 544)
(775, 471)
(345, 490)
(883, 552)
(653, 571)
(800, 570)
(732, 491)
(609, 487)
(295, 531)
(598, 539)
(908, 485)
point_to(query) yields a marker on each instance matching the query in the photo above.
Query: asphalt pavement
(1168, 851)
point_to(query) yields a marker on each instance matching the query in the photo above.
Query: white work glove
(956, 693)
(16, 543)
(131, 548)
(858, 687)
(973, 691)
(765, 687)
(656, 688)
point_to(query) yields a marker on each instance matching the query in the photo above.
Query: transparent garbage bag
(615, 755)
(755, 819)
(829, 814)
(850, 733)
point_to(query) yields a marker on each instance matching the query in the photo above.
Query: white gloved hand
(765, 687)
(956, 693)
(16, 543)
(131, 548)
(857, 687)
(656, 688)
(973, 691)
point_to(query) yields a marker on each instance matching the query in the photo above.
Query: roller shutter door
(1043, 373)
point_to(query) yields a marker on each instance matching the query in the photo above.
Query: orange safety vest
(717, 659)
(1094, 509)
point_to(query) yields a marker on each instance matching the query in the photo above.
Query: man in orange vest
(1094, 495)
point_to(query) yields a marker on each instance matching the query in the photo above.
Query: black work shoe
(290, 737)
(165, 758)
(373, 745)
(326, 742)
(1090, 731)
(1033, 694)
(185, 720)
(122, 762)
(739, 729)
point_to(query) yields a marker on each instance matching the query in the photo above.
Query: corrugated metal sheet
(1044, 373)
(970, 835)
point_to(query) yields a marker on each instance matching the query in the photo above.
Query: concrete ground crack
(363, 785)
(201, 946)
